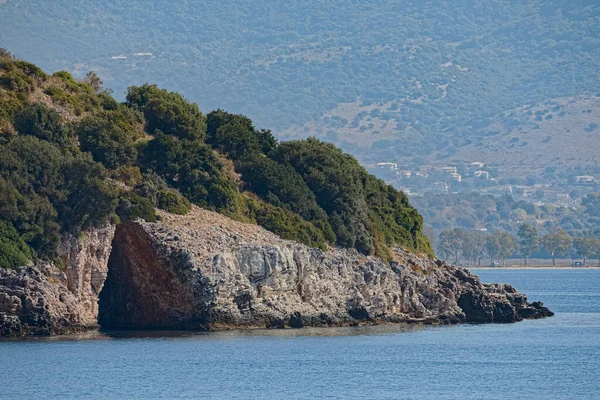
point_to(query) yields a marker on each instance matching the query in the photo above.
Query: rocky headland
(206, 271)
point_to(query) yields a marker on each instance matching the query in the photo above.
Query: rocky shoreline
(207, 272)
(47, 300)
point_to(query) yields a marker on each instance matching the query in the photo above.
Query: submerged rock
(222, 274)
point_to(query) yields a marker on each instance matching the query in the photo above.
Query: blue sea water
(554, 358)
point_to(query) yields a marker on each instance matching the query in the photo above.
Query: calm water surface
(554, 358)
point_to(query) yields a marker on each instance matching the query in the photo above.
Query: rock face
(46, 299)
(205, 271)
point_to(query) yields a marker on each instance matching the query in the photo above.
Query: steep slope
(74, 163)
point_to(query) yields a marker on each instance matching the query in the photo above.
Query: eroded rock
(46, 299)
(222, 274)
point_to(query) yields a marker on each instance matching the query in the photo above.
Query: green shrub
(193, 169)
(14, 252)
(6, 130)
(16, 81)
(235, 135)
(9, 105)
(45, 190)
(155, 189)
(284, 223)
(132, 206)
(58, 95)
(109, 137)
(36, 119)
(65, 76)
(30, 69)
(130, 175)
(363, 211)
(282, 186)
(89, 199)
(107, 102)
(171, 201)
(149, 187)
(78, 96)
(168, 112)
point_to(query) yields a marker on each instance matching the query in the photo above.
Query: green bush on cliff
(38, 120)
(155, 189)
(132, 206)
(46, 190)
(9, 105)
(282, 186)
(364, 212)
(78, 96)
(171, 201)
(168, 112)
(191, 167)
(14, 252)
(284, 223)
(16, 81)
(235, 135)
(110, 137)
(89, 199)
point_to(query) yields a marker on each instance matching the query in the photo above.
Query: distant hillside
(386, 80)
(559, 133)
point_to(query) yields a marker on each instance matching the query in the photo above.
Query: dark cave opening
(142, 289)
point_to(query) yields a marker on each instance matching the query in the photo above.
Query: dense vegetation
(72, 158)
(476, 211)
(470, 247)
(462, 214)
(440, 72)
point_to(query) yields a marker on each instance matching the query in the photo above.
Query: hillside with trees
(476, 248)
(474, 211)
(470, 227)
(487, 213)
(72, 158)
(410, 82)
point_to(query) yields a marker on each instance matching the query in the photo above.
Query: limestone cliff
(205, 271)
(48, 299)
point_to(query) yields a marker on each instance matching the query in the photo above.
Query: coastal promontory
(149, 214)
